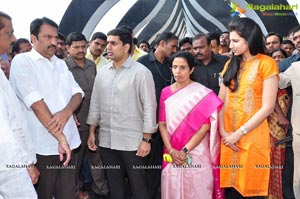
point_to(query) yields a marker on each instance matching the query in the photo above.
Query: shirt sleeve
(24, 81)
(286, 76)
(148, 97)
(268, 68)
(94, 110)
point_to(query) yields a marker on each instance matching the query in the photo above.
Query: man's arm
(59, 119)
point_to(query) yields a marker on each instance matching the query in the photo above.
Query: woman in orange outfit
(249, 89)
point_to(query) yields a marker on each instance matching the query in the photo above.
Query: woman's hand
(231, 139)
(178, 157)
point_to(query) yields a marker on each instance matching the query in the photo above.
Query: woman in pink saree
(188, 115)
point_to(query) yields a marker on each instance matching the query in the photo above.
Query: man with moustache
(49, 96)
(208, 65)
(97, 45)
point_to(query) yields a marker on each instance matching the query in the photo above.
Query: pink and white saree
(184, 112)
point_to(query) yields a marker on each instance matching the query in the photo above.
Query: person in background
(215, 42)
(20, 46)
(273, 41)
(4, 65)
(17, 170)
(186, 44)
(61, 50)
(144, 45)
(188, 120)
(49, 96)
(123, 105)
(224, 43)
(158, 63)
(97, 45)
(84, 72)
(136, 53)
(288, 46)
(249, 89)
(278, 124)
(208, 65)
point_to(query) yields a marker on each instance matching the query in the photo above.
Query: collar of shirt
(72, 64)
(35, 55)
(152, 58)
(126, 64)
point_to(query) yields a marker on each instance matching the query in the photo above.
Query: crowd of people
(208, 116)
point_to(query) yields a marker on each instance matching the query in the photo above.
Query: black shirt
(208, 75)
(161, 72)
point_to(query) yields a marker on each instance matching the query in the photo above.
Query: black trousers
(55, 180)
(121, 166)
(232, 193)
(154, 161)
(99, 183)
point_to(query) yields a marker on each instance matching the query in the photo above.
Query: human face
(144, 47)
(288, 48)
(187, 47)
(46, 42)
(278, 56)
(77, 49)
(238, 44)
(97, 47)
(170, 47)
(214, 47)
(224, 39)
(296, 40)
(25, 47)
(6, 36)
(181, 70)
(116, 50)
(60, 48)
(272, 43)
(202, 50)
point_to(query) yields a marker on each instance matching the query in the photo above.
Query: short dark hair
(126, 27)
(143, 41)
(200, 35)
(185, 55)
(275, 34)
(35, 26)
(281, 50)
(99, 35)
(74, 36)
(165, 36)
(185, 40)
(214, 36)
(61, 36)
(16, 46)
(124, 35)
(287, 41)
(3, 15)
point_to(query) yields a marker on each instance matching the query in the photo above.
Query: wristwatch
(185, 150)
(148, 140)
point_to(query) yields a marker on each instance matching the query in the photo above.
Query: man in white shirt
(17, 152)
(291, 77)
(49, 95)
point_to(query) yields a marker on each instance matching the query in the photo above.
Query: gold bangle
(171, 151)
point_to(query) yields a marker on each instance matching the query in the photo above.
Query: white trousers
(296, 149)
(15, 183)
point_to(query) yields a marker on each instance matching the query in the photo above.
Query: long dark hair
(251, 32)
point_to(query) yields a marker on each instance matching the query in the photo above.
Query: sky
(25, 11)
